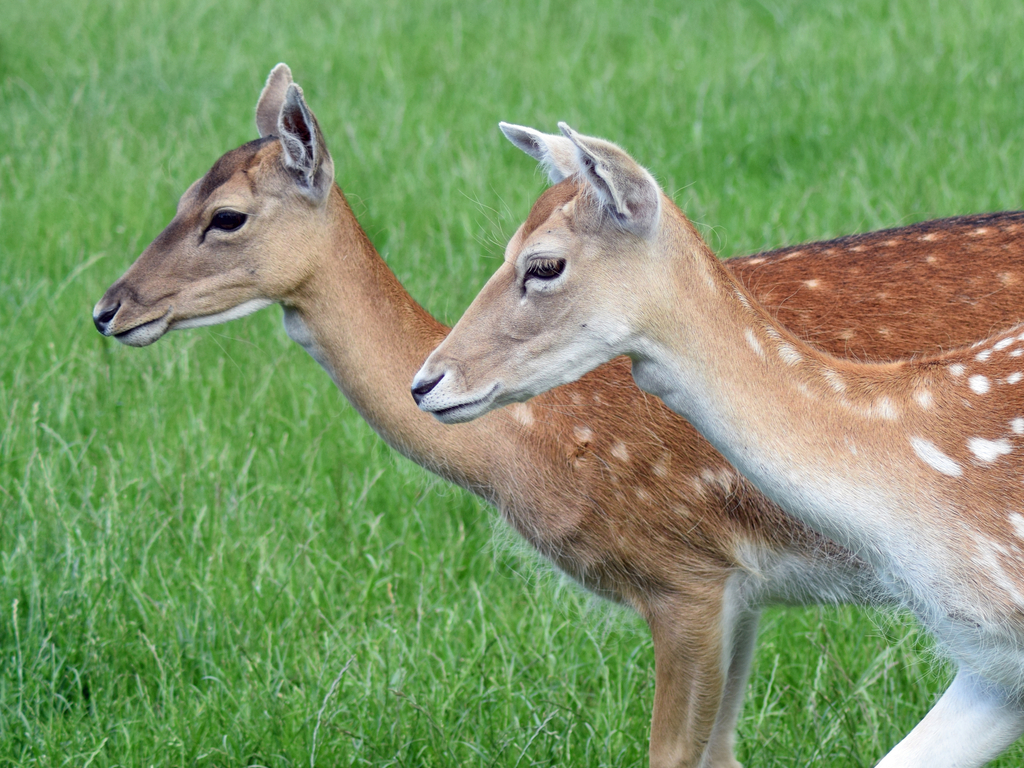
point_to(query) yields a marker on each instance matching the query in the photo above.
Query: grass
(207, 558)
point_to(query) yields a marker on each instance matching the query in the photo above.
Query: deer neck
(353, 316)
(806, 428)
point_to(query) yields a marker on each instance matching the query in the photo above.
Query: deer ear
(555, 154)
(271, 99)
(629, 193)
(305, 152)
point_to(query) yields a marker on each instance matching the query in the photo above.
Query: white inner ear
(560, 161)
(595, 177)
(555, 154)
(299, 154)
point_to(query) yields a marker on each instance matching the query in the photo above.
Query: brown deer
(603, 480)
(917, 465)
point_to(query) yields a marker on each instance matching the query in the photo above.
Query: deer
(605, 482)
(914, 464)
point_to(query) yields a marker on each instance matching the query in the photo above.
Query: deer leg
(972, 723)
(693, 661)
(721, 747)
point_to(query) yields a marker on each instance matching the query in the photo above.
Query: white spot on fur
(619, 451)
(582, 434)
(811, 283)
(979, 384)
(886, 409)
(984, 355)
(927, 238)
(1013, 378)
(804, 390)
(924, 398)
(660, 468)
(1017, 521)
(930, 259)
(834, 379)
(789, 355)
(754, 343)
(980, 231)
(930, 454)
(1002, 344)
(1017, 353)
(522, 413)
(756, 261)
(742, 299)
(989, 450)
(792, 255)
(956, 369)
(1017, 426)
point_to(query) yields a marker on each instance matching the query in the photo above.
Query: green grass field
(207, 558)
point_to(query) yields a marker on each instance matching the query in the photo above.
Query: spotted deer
(604, 481)
(915, 465)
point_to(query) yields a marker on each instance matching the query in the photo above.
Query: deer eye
(545, 269)
(229, 221)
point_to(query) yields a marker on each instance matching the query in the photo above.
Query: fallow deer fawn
(917, 466)
(607, 483)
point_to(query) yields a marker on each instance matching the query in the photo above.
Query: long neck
(814, 433)
(355, 318)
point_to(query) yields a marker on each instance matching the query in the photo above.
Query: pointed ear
(629, 193)
(271, 99)
(556, 154)
(305, 151)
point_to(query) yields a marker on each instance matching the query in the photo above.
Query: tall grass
(207, 558)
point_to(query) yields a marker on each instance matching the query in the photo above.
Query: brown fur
(916, 466)
(602, 479)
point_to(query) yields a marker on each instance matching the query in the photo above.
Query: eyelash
(228, 221)
(545, 269)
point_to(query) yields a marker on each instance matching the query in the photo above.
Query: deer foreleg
(702, 658)
(971, 724)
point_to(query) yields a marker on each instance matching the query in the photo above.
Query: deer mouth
(145, 333)
(465, 411)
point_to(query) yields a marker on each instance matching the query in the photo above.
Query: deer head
(229, 250)
(540, 308)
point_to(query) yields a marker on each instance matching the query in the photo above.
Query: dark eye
(545, 269)
(229, 221)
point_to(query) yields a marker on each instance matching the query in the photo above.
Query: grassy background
(206, 558)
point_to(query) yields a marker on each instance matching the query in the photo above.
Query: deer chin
(240, 310)
(448, 410)
(144, 334)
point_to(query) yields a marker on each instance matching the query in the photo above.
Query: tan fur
(916, 465)
(602, 479)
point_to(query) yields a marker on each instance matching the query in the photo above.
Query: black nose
(419, 391)
(103, 318)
